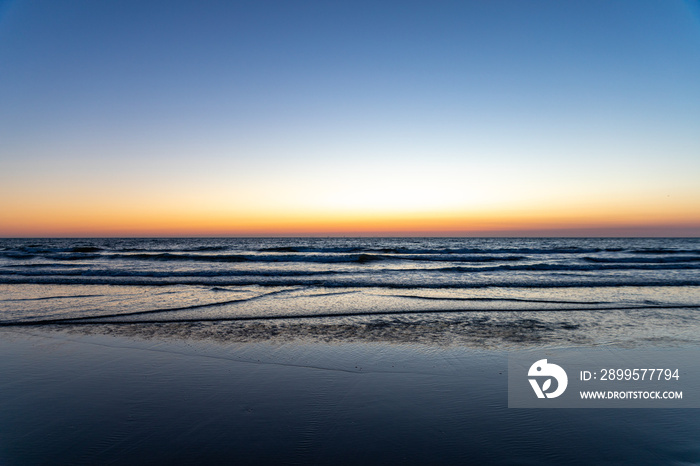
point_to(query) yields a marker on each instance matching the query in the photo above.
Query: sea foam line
(103, 320)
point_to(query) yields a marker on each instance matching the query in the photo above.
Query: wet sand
(175, 393)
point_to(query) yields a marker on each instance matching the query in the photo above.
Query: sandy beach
(134, 395)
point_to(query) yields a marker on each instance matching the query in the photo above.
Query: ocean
(333, 350)
(568, 287)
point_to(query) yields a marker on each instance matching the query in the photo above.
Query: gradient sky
(381, 117)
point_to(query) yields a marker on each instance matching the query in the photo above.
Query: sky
(267, 118)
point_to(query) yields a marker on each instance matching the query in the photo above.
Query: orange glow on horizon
(191, 212)
(146, 222)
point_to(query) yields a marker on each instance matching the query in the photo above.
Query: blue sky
(236, 109)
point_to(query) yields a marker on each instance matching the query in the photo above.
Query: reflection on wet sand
(487, 330)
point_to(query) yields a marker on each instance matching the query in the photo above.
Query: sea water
(479, 290)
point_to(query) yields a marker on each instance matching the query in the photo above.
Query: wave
(39, 250)
(167, 256)
(58, 270)
(482, 299)
(41, 265)
(329, 282)
(432, 251)
(127, 318)
(360, 258)
(53, 255)
(172, 274)
(365, 253)
(338, 250)
(664, 251)
(643, 260)
(85, 249)
(545, 267)
(193, 249)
